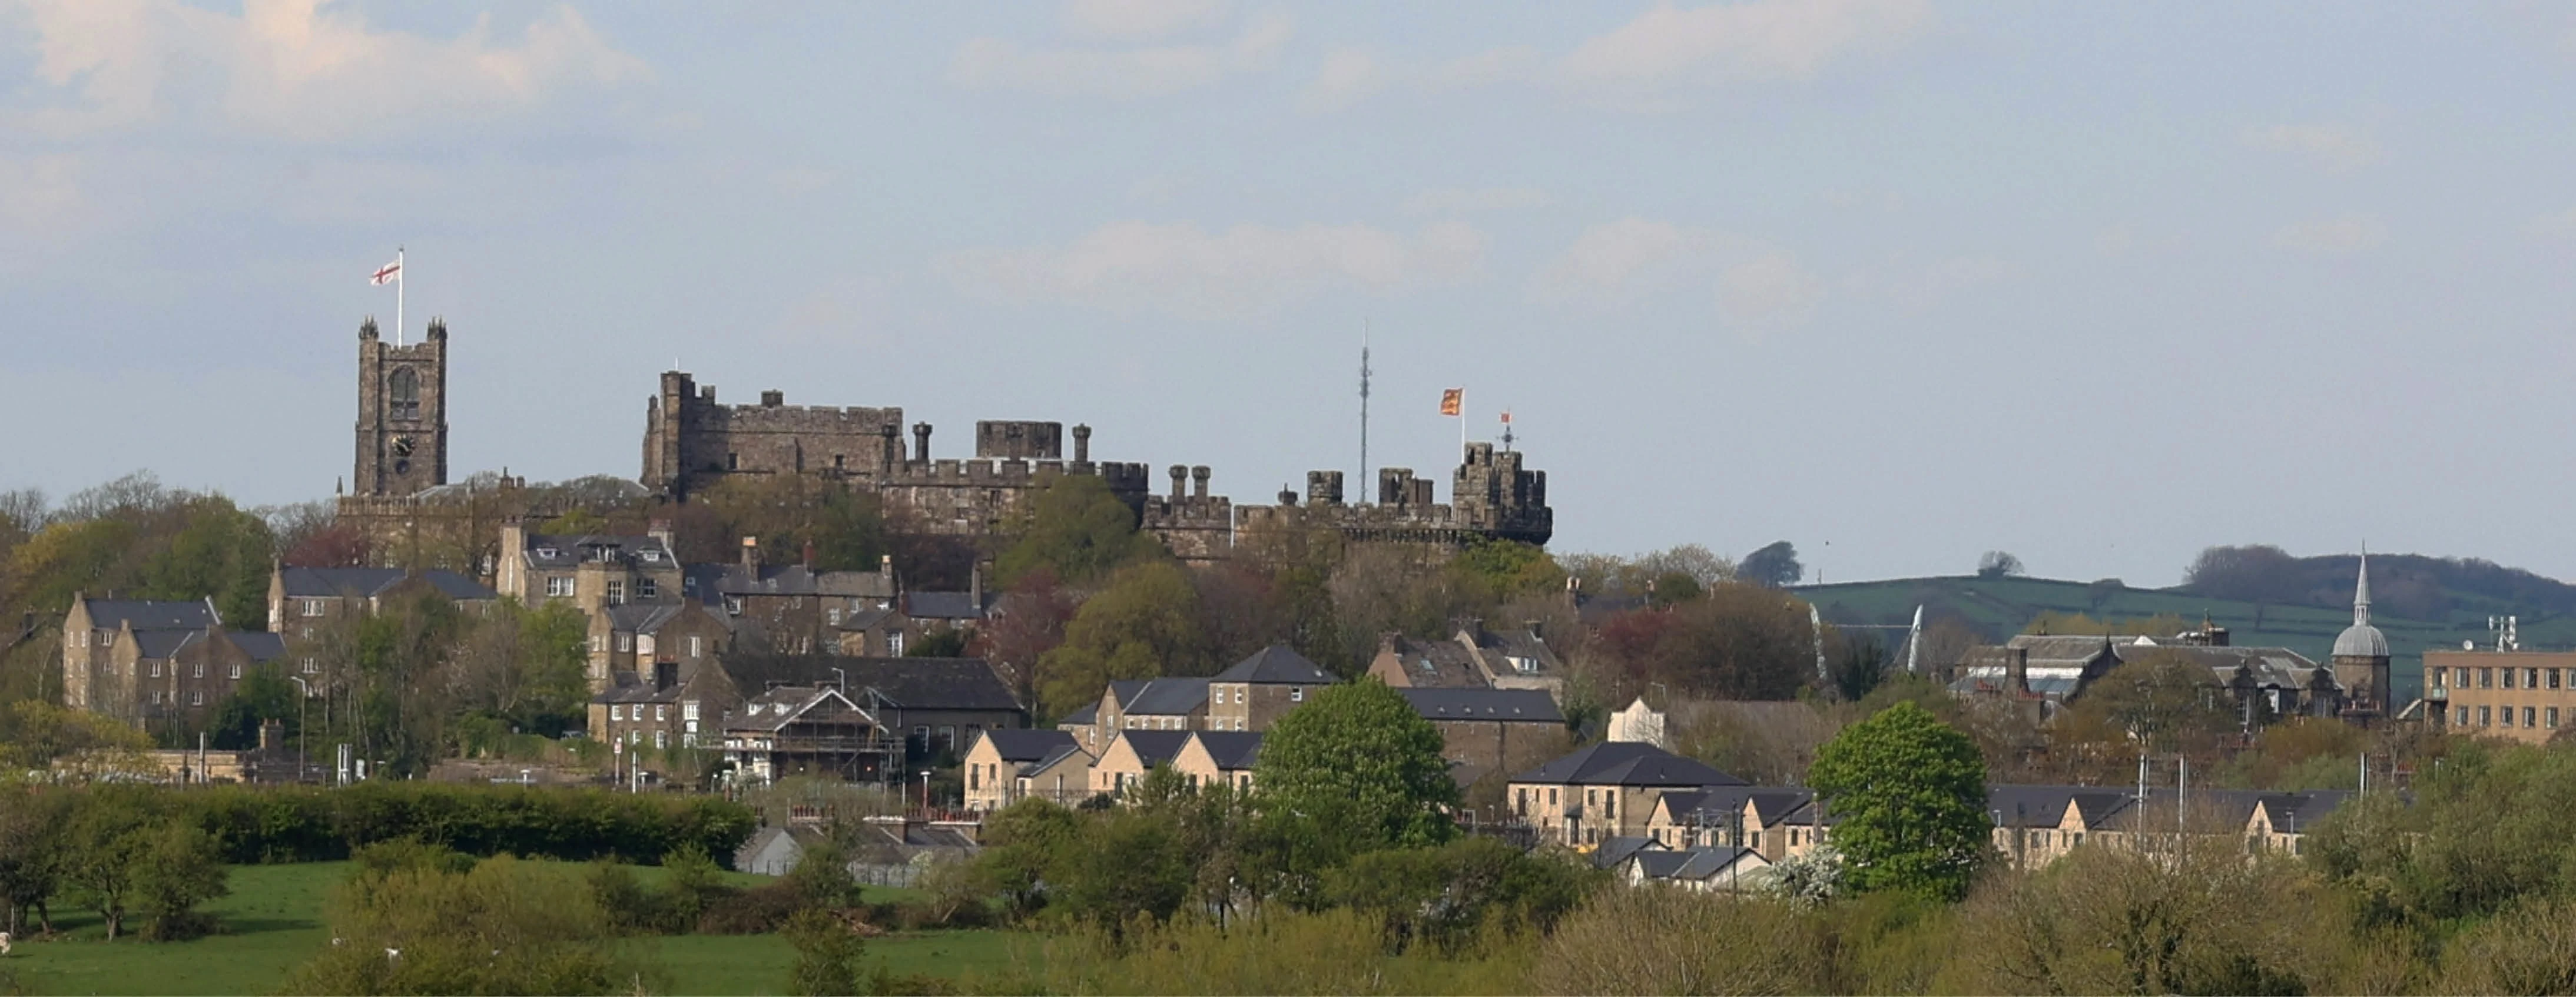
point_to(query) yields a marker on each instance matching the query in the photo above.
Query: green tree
(263, 694)
(1356, 769)
(181, 868)
(827, 955)
(1144, 625)
(1500, 570)
(1020, 843)
(503, 927)
(1908, 794)
(111, 843)
(1775, 566)
(1077, 529)
(822, 875)
(223, 554)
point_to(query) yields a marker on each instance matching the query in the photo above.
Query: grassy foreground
(274, 921)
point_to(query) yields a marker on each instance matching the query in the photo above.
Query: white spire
(2361, 592)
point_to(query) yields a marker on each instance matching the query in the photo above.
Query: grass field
(273, 921)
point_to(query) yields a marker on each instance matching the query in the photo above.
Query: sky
(1900, 281)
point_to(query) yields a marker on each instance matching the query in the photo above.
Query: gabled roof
(629, 687)
(1627, 763)
(1232, 751)
(865, 619)
(1617, 848)
(910, 683)
(1663, 864)
(642, 618)
(161, 644)
(1051, 758)
(1123, 691)
(1435, 664)
(1026, 745)
(1521, 643)
(709, 582)
(1089, 714)
(258, 645)
(1153, 747)
(323, 583)
(1277, 665)
(149, 614)
(1533, 705)
(776, 708)
(1168, 697)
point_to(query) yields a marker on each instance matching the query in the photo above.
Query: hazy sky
(1900, 282)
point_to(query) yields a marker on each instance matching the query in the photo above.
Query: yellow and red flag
(1452, 401)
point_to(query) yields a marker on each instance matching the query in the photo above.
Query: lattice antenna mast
(1364, 399)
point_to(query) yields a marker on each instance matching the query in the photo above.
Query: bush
(309, 824)
(756, 911)
(503, 927)
(827, 955)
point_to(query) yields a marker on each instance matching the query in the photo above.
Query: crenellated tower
(402, 413)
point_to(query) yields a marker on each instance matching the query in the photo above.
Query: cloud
(1767, 293)
(1943, 280)
(39, 193)
(2343, 235)
(1351, 75)
(1462, 200)
(1759, 287)
(1139, 20)
(2560, 225)
(1186, 270)
(1763, 40)
(2337, 147)
(296, 68)
(1150, 71)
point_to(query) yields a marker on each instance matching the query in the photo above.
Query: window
(2551, 715)
(2528, 715)
(695, 646)
(559, 587)
(548, 553)
(2461, 717)
(311, 667)
(156, 669)
(2485, 713)
(661, 712)
(234, 670)
(616, 592)
(894, 643)
(652, 555)
(948, 735)
(598, 644)
(733, 606)
(2531, 678)
(2508, 677)
(625, 643)
(689, 710)
(733, 462)
(2460, 677)
(661, 739)
(2553, 678)
(197, 671)
(312, 607)
(2506, 720)
(1296, 694)
(2486, 678)
(617, 713)
(832, 616)
(196, 697)
(646, 589)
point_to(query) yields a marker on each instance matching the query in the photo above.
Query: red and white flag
(387, 274)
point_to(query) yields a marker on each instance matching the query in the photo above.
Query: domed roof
(2360, 640)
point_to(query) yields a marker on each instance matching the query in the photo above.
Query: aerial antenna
(1364, 393)
(1507, 430)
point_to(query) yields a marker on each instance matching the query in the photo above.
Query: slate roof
(569, 550)
(1533, 705)
(1277, 665)
(1155, 747)
(1515, 644)
(642, 618)
(864, 619)
(1232, 751)
(1627, 763)
(1436, 664)
(1661, 864)
(1617, 849)
(711, 581)
(320, 583)
(1089, 714)
(764, 711)
(147, 614)
(1027, 745)
(945, 606)
(1168, 697)
(1123, 691)
(629, 687)
(259, 645)
(162, 643)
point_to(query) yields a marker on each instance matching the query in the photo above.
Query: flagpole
(1462, 425)
(398, 296)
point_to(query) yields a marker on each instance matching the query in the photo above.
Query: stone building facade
(402, 413)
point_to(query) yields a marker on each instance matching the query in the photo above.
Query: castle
(692, 442)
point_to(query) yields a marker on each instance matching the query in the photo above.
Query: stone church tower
(2361, 657)
(402, 413)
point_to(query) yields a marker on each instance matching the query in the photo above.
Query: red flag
(1453, 400)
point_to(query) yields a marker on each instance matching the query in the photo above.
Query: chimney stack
(1082, 444)
(1199, 481)
(751, 555)
(772, 398)
(809, 555)
(2017, 670)
(1180, 480)
(921, 442)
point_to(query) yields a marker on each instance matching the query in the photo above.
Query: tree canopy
(1907, 796)
(1077, 529)
(1357, 765)
(1775, 565)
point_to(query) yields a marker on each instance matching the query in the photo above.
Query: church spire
(2361, 592)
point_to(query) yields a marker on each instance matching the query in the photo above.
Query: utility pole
(1362, 483)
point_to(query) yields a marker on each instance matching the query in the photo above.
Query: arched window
(405, 389)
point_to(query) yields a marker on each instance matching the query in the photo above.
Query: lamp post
(301, 764)
(925, 794)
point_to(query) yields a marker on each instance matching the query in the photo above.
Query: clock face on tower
(402, 446)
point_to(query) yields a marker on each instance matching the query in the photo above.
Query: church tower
(402, 413)
(2361, 657)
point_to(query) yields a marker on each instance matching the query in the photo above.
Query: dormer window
(652, 556)
(1524, 665)
(548, 553)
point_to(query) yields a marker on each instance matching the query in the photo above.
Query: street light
(302, 764)
(925, 793)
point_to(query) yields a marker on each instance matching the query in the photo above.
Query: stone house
(1491, 730)
(1219, 758)
(1703, 870)
(1254, 693)
(794, 609)
(1084, 725)
(157, 665)
(1755, 817)
(1605, 790)
(934, 705)
(1131, 754)
(301, 600)
(1474, 657)
(641, 639)
(591, 571)
(1152, 704)
(1007, 766)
